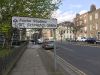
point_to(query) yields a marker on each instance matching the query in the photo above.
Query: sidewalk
(30, 63)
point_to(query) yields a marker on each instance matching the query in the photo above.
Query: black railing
(7, 61)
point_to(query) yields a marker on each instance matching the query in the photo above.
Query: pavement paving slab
(30, 63)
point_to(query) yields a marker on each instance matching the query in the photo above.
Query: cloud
(65, 16)
(82, 12)
(71, 6)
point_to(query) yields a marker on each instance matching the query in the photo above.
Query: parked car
(91, 40)
(48, 44)
(97, 41)
(32, 40)
(40, 41)
(82, 39)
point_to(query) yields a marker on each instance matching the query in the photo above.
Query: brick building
(91, 22)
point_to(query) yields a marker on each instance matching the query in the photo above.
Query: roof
(66, 24)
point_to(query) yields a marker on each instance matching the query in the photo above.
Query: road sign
(27, 22)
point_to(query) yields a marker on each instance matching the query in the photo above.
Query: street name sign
(27, 22)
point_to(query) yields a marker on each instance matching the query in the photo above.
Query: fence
(6, 62)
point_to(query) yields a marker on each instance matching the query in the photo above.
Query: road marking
(84, 44)
(67, 66)
(74, 69)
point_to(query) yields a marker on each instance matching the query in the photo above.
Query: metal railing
(6, 61)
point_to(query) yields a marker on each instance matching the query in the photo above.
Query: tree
(29, 8)
(5, 30)
(76, 29)
(61, 30)
(78, 25)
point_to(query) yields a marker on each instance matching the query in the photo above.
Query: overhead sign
(27, 22)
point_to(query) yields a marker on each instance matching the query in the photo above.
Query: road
(86, 58)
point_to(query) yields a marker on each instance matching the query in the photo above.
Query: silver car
(48, 45)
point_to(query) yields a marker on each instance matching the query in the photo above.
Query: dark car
(90, 40)
(48, 44)
(32, 41)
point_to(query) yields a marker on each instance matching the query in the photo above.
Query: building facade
(65, 31)
(46, 33)
(91, 22)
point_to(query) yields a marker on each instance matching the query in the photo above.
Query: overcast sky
(69, 8)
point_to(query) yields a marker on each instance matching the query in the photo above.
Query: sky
(68, 9)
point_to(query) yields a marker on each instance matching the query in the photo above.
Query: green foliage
(4, 28)
(77, 28)
(29, 8)
(5, 52)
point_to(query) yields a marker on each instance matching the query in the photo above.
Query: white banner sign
(26, 22)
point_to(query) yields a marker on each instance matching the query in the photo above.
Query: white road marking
(67, 66)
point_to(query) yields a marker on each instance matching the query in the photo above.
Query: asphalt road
(85, 58)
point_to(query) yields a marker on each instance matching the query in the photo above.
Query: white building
(65, 31)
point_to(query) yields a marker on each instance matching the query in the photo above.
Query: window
(91, 17)
(85, 15)
(96, 15)
(81, 17)
(85, 35)
(72, 29)
(90, 27)
(85, 21)
(85, 28)
(81, 22)
(96, 26)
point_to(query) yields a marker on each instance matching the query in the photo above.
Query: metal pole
(3, 43)
(55, 60)
(12, 40)
(20, 35)
(61, 38)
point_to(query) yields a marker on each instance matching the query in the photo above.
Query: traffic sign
(27, 22)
